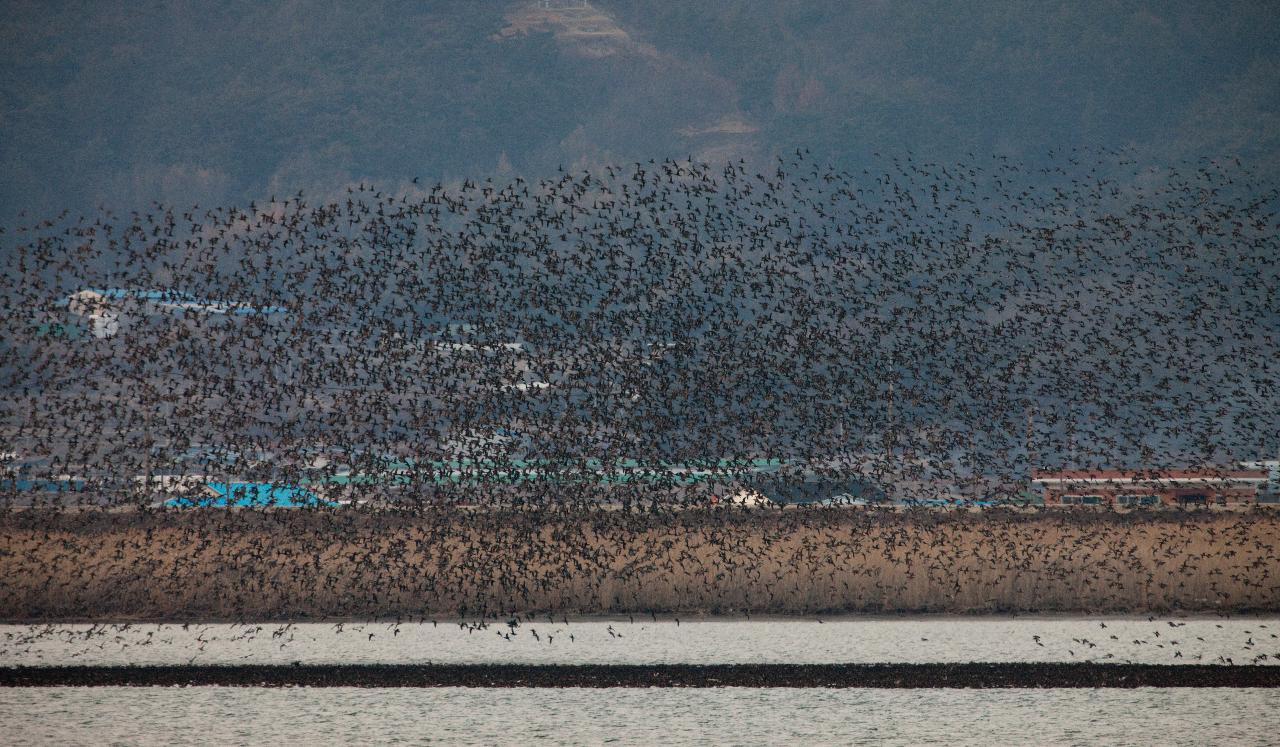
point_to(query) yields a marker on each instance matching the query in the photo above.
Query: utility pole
(1031, 454)
(1026, 443)
(889, 431)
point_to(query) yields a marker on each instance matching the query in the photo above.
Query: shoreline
(956, 676)
(686, 618)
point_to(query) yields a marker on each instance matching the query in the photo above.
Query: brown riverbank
(355, 563)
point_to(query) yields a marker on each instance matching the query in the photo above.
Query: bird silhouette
(494, 399)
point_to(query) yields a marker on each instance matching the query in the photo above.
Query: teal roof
(60, 330)
(251, 494)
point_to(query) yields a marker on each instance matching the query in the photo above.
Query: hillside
(227, 102)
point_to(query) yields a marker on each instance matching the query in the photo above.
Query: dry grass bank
(295, 565)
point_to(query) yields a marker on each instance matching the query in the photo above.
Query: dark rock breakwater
(973, 675)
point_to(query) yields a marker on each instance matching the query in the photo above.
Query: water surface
(672, 717)
(645, 641)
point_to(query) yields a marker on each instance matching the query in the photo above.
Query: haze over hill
(217, 103)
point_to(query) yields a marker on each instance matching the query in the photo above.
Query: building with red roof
(1129, 488)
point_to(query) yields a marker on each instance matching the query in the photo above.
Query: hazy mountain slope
(204, 102)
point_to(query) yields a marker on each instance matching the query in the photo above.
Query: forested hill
(217, 103)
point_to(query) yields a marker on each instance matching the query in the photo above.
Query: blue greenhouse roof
(251, 494)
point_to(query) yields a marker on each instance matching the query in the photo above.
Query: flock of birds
(417, 564)
(637, 336)
(1246, 642)
(930, 327)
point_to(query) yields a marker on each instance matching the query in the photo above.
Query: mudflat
(369, 564)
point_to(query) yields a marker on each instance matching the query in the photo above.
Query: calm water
(211, 715)
(920, 639)
(224, 716)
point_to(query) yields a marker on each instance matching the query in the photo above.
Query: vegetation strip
(973, 675)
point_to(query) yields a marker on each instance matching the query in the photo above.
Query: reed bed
(286, 565)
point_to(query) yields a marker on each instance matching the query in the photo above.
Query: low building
(1135, 488)
(817, 490)
(249, 495)
(745, 497)
(1269, 492)
(106, 312)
